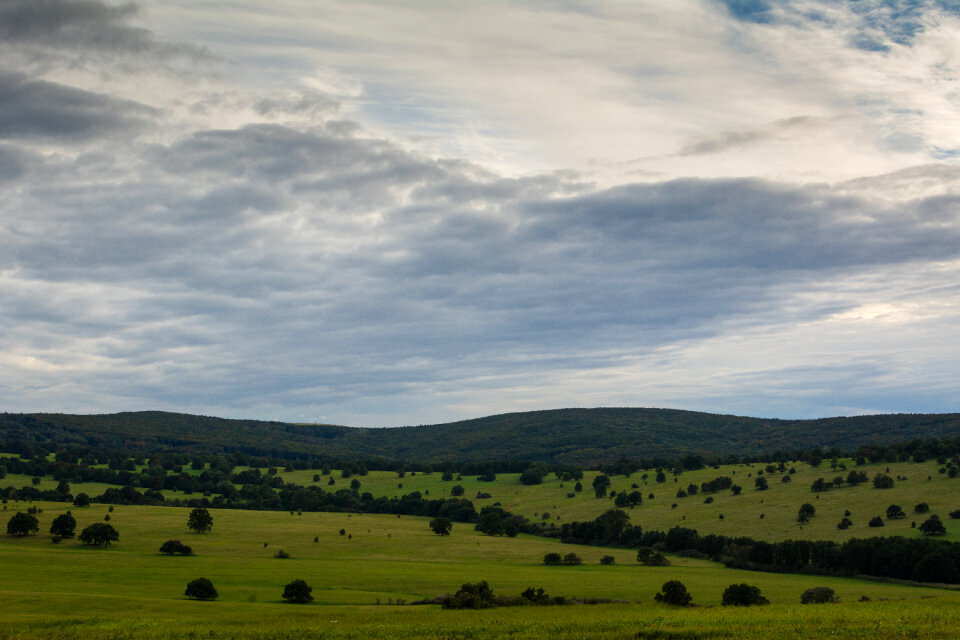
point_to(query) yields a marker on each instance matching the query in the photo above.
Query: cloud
(35, 108)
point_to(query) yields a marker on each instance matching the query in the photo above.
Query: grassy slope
(582, 436)
(129, 590)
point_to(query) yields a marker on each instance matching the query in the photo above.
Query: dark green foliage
(281, 555)
(477, 595)
(535, 596)
(64, 525)
(355, 485)
(674, 592)
(882, 481)
(81, 500)
(932, 526)
(937, 566)
(201, 589)
(456, 490)
(572, 558)
(441, 526)
(171, 547)
(760, 484)
(818, 485)
(819, 595)
(99, 534)
(844, 523)
(742, 595)
(806, 512)
(200, 520)
(600, 485)
(895, 512)
(608, 560)
(955, 514)
(923, 507)
(22, 524)
(875, 521)
(552, 558)
(487, 476)
(532, 475)
(298, 592)
(651, 558)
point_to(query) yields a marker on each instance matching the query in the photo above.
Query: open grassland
(778, 505)
(67, 590)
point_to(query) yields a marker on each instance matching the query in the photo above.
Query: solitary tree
(171, 547)
(600, 485)
(742, 595)
(572, 558)
(552, 558)
(818, 595)
(63, 525)
(761, 484)
(932, 526)
(99, 533)
(201, 589)
(882, 481)
(895, 512)
(81, 500)
(674, 592)
(200, 520)
(441, 526)
(298, 592)
(22, 524)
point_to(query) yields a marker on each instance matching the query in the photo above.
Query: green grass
(67, 590)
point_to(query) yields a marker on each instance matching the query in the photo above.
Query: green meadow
(365, 579)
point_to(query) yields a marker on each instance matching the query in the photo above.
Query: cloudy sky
(388, 213)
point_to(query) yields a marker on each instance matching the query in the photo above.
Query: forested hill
(581, 436)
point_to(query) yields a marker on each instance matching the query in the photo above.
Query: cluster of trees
(674, 592)
(479, 595)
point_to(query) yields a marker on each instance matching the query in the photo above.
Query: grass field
(67, 590)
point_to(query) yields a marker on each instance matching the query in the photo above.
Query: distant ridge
(579, 436)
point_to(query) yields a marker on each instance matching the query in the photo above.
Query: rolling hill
(576, 436)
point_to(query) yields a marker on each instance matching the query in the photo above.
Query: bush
(818, 595)
(742, 595)
(298, 592)
(607, 560)
(572, 558)
(844, 524)
(441, 526)
(895, 512)
(281, 555)
(201, 589)
(456, 490)
(923, 507)
(875, 521)
(955, 514)
(674, 592)
(552, 558)
(882, 481)
(171, 547)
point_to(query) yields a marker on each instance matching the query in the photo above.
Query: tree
(99, 533)
(532, 475)
(298, 592)
(760, 484)
(600, 485)
(674, 592)
(875, 521)
(355, 484)
(742, 595)
(470, 595)
(456, 490)
(608, 560)
(200, 520)
(22, 524)
(552, 558)
(923, 507)
(806, 512)
(487, 476)
(882, 481)
(81, 500)
(171, 547)
(201, 589)
(844, 523)
(441, 526)
(895, 512)
(572, 558)
(63, 525)
(818, 595)
(933, 527)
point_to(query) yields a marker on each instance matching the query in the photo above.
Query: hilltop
(578, 436)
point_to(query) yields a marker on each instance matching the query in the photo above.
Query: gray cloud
(32, 108)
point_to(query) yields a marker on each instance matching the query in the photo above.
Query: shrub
(572, 558)
(441, 526)
(281, 555)
(201, 589)
(875, 521)
(607, 560)
(456, 490)
(923, 507)
(882, 481)
(674, 592)
(955, 514)
(171, 547)
(552, 558)
(298, 592)
(818, 595)
(895, 512)
(81, 500)
(742, 595)
(844, 524)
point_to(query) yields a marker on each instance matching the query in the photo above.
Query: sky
(398, 213)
